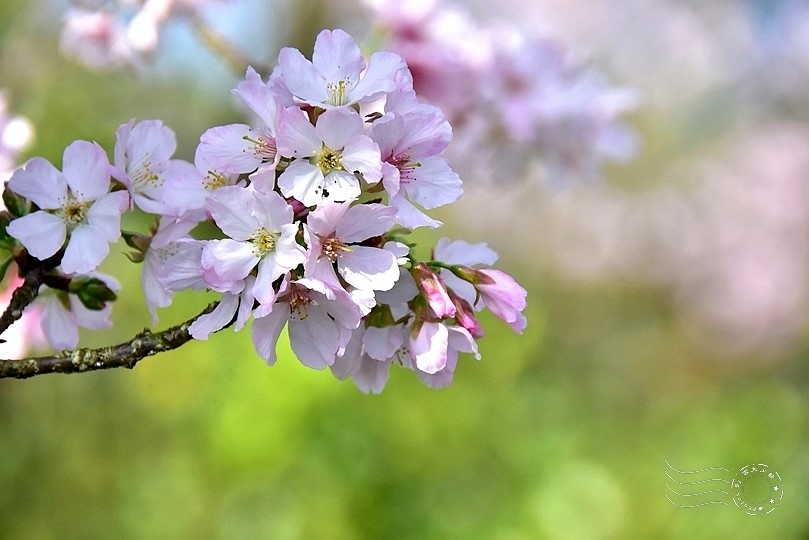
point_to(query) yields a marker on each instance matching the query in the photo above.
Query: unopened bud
(473, 276)
(17, 205)
(92, 292)
(6, 240)
(139, 242)
(465, 316)
(433, 290)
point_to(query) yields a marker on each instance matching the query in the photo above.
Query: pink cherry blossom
(433, 290)
(74, 205)
(116, 33)
(552, 102)
(459, 252)
(368, 374)
(319, 325)
(97, 39)
(143, 163)
(434, 39)
(503, 296)
(337, 75)
(458, 340)
(409, 144)
(496, 290)
(336, 231)
(240, 148)
(261, 234)
(191, 186)
(164, 246)
(327, 156)
(16, 135)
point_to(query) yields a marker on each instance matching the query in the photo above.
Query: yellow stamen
(263, 241)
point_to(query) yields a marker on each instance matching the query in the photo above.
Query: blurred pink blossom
(26, 334)
(16, 135)
(519, 105)
(121, 33)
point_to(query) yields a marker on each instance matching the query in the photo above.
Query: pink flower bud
(465, 316)
(504, 296)
(433, 290)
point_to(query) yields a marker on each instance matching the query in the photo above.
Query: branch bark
(22, 297)
(126, 354)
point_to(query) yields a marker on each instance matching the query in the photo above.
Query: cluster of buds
(313, 202)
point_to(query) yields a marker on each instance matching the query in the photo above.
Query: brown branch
(22, 297)
(126, 354)
(224, 49)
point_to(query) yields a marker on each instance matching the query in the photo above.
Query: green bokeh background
(560, 433)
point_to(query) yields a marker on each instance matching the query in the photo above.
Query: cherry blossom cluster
(114, 33)
(312, 202)
(525, 98)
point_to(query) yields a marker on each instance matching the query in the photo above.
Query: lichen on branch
(126, 354)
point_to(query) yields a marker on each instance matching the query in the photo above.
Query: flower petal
(361, 155)
(105, 214)
(153, 290)
(59, 324)
(266, 330)
(255, 93)
(222, 314)
(337, 56)
(336, 126)
(314, 339)
(85, 251)
(304, 182)
(363, 221)
(301, 77)
(268, 271)
(40, 182)
(372, 376)
(411, 217)
(382, 343)
(324, 219)
(433, 184)
(271, 210)
(150, 141)
(429, 347)
(231, 208)
(426, 132)
(379, 78)
(296, 135)
(41, 233)
(229, 260)
(87, 170)
(228, 149)
(341, 186)
(369, 268)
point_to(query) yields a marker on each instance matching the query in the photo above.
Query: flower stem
(126, 354)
